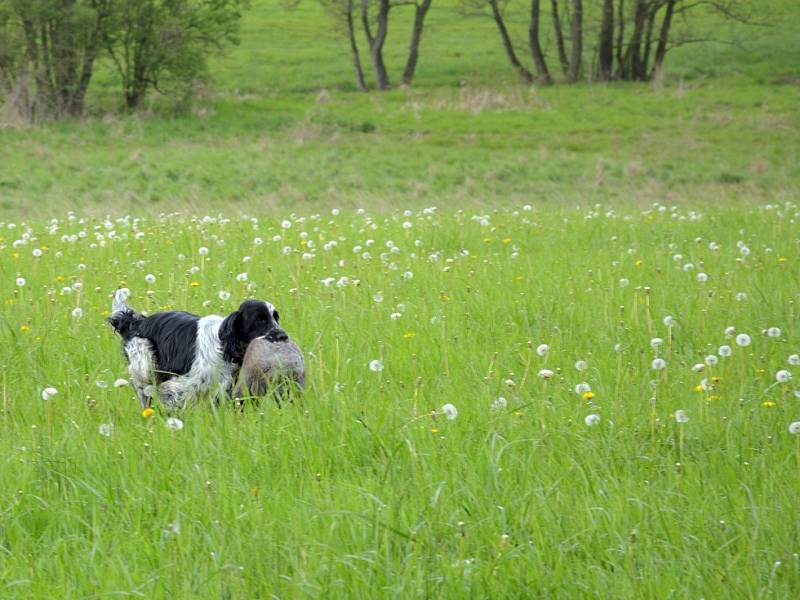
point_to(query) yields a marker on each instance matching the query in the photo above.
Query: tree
(48, 57)
(605, 44)
(576, 29)
(536, 46)
(342, 12)
(158, 43)
(420, 10)
(378, 39)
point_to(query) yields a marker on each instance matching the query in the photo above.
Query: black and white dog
(181, 356)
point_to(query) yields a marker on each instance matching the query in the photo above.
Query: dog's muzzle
(276, 335)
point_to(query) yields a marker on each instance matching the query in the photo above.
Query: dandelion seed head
(174, 423)
(49, 393)
(376, 366)
(450, 411)
(591, 420)
(794, 427)
(724, 351)
(658, 364)
(106, 429)
(681, 416)
(743, 340)
(783, 376)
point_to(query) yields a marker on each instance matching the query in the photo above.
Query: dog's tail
(123, 318)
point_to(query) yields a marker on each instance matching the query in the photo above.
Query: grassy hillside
(279, 124)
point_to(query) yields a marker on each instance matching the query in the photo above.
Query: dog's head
(255, 318)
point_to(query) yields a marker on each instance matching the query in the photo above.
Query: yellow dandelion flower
(408, 335)
(148, 412)
(444, 297)
(713, 397)
(760, 371)
(24, 327)
(698, 388)
(507, 241)
(486, 240)
(639, 262)
(588, 395)
(15, 255)
(782, 259)
(716, 379)
(195, 284)
(59, 278)
(434, 430)
(518, 413)
(768, 404)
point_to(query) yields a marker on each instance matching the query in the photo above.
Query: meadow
(551, 334)
(522, 402)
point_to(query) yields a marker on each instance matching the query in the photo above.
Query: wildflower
(395, 315)
(774, 332)
(49, 393)
(450, 411)
(702, 277)
(794, 359)
(681, 416)
(582, 388)
(499, 404)
(542, 349)
(730, 330)
(716, 379)
(581, 365)
(194, 284)
(669, 321)
(688, 267)
(724, 351)
(378, 297)
(20, 281)
(591, 420)
(768, 404)
(106, 429)
(794, 427)
(783, 376)
(408, 275)
(241, 277)
(698, 367)
(588, 395)
(408, 334)
(656, 342)
(376, 366)
(740, 296)
(286, 224)
(639, 262)
(148, 412)
(545, 373)
(624, 282)
(203, 250)
(224, 296)
(743, 340)
(258, 241)
(150, 278)
(174, 423)
(36, 252)
(77, 312)
(711, 360)
(120, 383)
(658, 364)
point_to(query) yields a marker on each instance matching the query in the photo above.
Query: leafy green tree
(164, 44)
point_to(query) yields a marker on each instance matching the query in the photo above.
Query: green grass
(279, 126)
(364, 488)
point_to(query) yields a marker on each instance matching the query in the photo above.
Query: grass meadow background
(574, 228)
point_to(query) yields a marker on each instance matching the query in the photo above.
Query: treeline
(49, 48)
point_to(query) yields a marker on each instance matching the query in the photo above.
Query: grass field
(279, 126)
(487, 412)
(366, 488)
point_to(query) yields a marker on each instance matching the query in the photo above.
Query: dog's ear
(228, 337)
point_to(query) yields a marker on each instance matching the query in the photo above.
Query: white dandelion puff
(106, 429)
(286, 224)
(174, 423)
(794, 427)
(623, 282)
(241, 277)
(730, 330)
(702, 277)
(450, 411)
(499, 404)
(223, 295)
(376, 366)
(658, 364)
(724, 351)
(202, 250)
(150, 278)
(793, 359)
(743, 340)
(49, 393)
(542, 349)
(581, 365)
(591, 420)
(783, 376)
(711, 360)
(582, 388)
(118, 383)
(740, 296)
(669, 321)
(77, 312)
(698, 367)
(681, 416)
(36, 252)
(774, 332)
(656, 342)
(545, 373)
(20, 282)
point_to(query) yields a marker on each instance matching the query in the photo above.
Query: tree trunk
(632, 59)
(376, 42)
(576, 55)
(620, 38)
(648, 41)
(351, 36)
(562, 52)
(605, 46)
(523, 73)
(536, 48)
(420, 10)
(663, 39)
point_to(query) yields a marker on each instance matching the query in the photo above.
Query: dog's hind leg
(141, 366)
